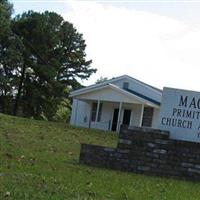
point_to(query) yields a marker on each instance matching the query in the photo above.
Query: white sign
(180, 114)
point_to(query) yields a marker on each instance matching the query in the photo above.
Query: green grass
(39, 160)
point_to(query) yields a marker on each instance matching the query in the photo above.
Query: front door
(127, 117)
(115, 118)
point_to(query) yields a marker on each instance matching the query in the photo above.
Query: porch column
(97, 114)
(119, 116)
(76, 111)
(90, 116)
(141, 116)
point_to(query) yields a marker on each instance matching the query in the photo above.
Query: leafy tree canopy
(101, 79)
(50, 57)
(5, 15)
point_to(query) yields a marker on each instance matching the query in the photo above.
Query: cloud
(156, 49)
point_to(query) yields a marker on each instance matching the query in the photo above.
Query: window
(94, 112)
(147, 116)
(125, 85)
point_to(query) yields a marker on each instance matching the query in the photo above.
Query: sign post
(180, 114)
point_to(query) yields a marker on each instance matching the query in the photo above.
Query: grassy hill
(39, 160)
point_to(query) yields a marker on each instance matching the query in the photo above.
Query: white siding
(106, 117)
(80, 113)
(73, 114)
(156, 115)
(107, 94)
(136, 115)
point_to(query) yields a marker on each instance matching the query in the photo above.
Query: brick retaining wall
(147, 151)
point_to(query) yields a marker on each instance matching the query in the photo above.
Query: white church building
(121, 100)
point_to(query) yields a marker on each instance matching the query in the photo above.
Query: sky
(157, 42)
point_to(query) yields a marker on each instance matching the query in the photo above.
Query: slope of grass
(39, 160)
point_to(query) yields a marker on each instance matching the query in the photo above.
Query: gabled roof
(110, 81)
(142, 83)
(127, 92)
(144, 97)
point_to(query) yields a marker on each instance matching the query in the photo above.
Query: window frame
(147, 118)
(125, 85)
(94, 112)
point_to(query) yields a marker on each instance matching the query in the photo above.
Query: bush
(63, 111)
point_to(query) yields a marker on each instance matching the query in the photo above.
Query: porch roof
(110, 92)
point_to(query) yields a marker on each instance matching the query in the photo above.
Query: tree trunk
(16, 105)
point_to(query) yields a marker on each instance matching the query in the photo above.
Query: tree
(101, 79)
(53, 58)
(5, 16)
(10, 57)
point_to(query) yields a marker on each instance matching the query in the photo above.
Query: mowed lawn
(39, 160)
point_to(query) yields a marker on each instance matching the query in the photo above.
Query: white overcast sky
(157, 42)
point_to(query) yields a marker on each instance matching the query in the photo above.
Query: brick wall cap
(147, 129)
